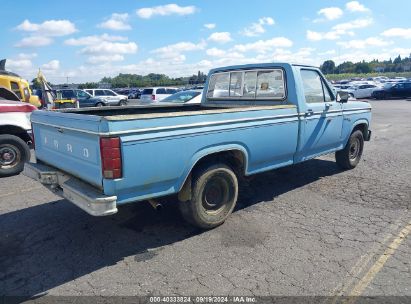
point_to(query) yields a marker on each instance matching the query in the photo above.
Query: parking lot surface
(309, 229)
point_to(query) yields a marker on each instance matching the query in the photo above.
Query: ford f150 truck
(253, 118)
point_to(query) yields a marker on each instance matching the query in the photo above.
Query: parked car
(84, 99)
(184, 97)
(396, 90)
(342, 86)
(362, 90)
(285, 114)
(134, 94)
(155, 94)
(110, 97)
(15, 133)
(123, 91)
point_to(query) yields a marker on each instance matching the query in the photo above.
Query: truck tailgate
(70, 144)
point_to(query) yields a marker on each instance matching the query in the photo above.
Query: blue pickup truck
(252, 118)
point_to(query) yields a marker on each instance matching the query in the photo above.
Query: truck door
(84, 99)
(322, 117)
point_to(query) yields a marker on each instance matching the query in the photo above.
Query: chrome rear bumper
(79, 193)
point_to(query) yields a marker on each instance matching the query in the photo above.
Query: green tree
(362, 67)
(35, 84)
(397, 60)
(328, 67)
(345, 67)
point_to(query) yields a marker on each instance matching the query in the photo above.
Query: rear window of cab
(267, 84)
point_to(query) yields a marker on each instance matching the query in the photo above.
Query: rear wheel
(350, 156)
(14, 152)
(214, 193)
(99, 104)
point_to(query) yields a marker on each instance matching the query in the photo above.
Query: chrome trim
(358, 110)
(176, 127)
(201, 124)
(79, 193)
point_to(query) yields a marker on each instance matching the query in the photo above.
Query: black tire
(123, 102)
(14, 152)
(349, 157)
(99, 105)
(214, 193)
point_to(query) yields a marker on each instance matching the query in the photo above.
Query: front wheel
(99, 105)
(350, 156)
(214, 193)
(14, 152)
(123, 103)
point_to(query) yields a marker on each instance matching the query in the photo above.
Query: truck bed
(177, 135)
(159, 111)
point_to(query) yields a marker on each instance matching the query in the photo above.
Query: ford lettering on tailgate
(68, 144)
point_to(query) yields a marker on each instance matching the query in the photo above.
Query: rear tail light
(111, 163)
(153, 97)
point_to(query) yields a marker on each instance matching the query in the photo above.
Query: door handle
(309, 112)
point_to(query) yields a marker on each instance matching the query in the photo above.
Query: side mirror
(342, 96)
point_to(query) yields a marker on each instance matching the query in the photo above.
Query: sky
(83, 41)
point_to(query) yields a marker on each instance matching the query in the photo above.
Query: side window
(26, 94)
(218, 85)
(270, 84)
(171, 91)
(90, 92)
(250, 84)
(109, 93)
(81, 94)
(99, 93)
(16, 89)
(312, 85)
(161, 91)
(236, 80)
(327, 96)
(67, 94)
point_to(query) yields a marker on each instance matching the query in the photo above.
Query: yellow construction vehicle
(18, 85)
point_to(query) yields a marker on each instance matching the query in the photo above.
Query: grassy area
(352, 75)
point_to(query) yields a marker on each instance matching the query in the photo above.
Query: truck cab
(20, 87)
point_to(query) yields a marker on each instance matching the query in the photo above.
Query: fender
(356, 123)
(199, 155)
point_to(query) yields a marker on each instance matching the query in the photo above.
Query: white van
(155, 94)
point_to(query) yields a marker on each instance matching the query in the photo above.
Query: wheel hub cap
(216, 194)
(354, 148)
(8, 156)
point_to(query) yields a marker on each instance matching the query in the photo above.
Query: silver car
(110, 97)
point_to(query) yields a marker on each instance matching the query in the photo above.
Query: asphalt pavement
(309, 229)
